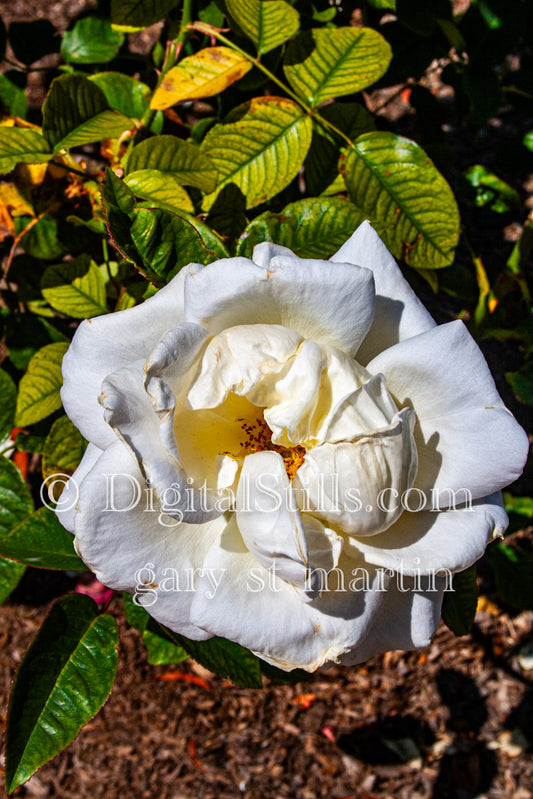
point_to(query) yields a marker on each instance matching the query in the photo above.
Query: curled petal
(107, 343)
(275, 532)
(466, 438)
(148, 432)
(239, 359)
(344, 483)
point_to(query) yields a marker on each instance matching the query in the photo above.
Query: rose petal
(330, 304)
(120, 546)
(399, 313)
(428, 541)
(268, 517)
(265, 614)
(466, 438)
(106, 343)
(343, 482)
(145, 424)
(239, 359)
(66, 505)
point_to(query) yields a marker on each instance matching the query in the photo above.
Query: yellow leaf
(28, 175)
(14, 201)
(204, 74)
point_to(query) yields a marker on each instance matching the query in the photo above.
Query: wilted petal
(239, 359)
(466, 438)
(399, 313)
(329, 303)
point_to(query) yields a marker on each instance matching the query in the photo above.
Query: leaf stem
(85, 175)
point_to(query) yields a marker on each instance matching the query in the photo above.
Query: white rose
(318, 398)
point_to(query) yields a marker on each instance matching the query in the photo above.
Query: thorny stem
(211, 31)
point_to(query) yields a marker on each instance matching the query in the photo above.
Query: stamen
(258, 438)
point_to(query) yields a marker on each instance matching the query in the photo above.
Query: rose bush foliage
(308, 398)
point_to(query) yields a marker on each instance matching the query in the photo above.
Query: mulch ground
(452, 722)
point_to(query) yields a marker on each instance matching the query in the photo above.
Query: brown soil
(452, 722)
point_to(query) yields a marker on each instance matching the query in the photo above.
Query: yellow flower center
(258, 437)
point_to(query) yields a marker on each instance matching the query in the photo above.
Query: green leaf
(489, 190)
(393, 181)
(382, 4)
(10, 575)
(313, 228)
(64, 679)
(259, 148)
(30, 41)
(135, 14)
(224, 658)
(186, 162)
(41, 541)
(75, 288)
(13, 94)
(76, 112)
(210, 239)
(28, 443)
(268, 23)
(15, 498)
(119, 207)
(160, 188)
(8, 401)
(29, 334)
(64, 448)
(160, 650)
(522, 383)
(321, 164)
(325, 63)
(157, 241)
(39, 387)
(166, 243)
(123, 93)
(521, 506)
(42, 239)
(513, 572)
(92, 40)
(22, 145)
(459, 605)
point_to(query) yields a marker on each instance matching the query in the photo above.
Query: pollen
(257, 437)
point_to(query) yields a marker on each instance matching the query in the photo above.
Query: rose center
(257, 437)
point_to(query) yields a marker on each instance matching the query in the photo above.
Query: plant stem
(172, 55)
(85, 175)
